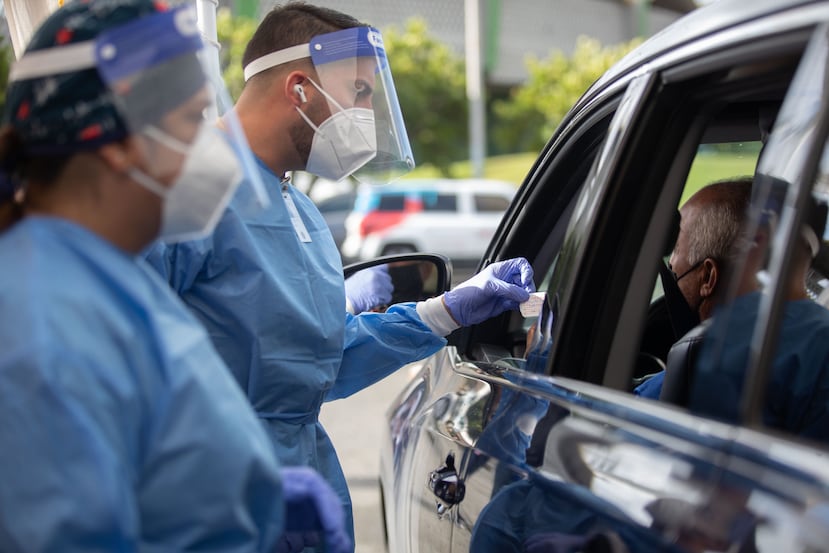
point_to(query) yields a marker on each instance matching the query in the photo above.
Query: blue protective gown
(120, 427)
(797, 397)
(274, 307)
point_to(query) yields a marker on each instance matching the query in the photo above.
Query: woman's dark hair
(17, 169)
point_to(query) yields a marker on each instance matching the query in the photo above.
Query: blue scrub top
(120, 427)
(274, 307)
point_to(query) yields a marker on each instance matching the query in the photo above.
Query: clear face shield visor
(163, 85)
(355, 78)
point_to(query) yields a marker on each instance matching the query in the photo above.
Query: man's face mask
(209, 176)
(342, 143)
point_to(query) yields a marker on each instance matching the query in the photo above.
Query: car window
(539, 217)
(435, 201)
(391, 202)
(490, 202)
(599, 275)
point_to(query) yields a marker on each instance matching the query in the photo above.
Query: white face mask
(195, 202)
(342, 143)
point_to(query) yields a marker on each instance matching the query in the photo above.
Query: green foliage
(431, 86)
(6, 58)
(716, 165)
(511, 168)
(234, 34)
(528, 118)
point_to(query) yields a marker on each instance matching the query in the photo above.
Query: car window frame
(551, 179)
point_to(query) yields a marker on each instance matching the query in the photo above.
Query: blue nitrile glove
(499, 287)
(367, 289)
(312, 510)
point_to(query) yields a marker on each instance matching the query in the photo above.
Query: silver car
(523, 434)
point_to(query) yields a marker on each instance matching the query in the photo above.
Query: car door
(437, 419)
(549, 469)
(573, 456)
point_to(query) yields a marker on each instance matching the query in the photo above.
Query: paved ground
(354, 425)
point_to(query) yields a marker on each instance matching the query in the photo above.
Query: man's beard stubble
(301, 133)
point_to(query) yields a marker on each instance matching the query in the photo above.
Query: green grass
(708, 167)
(511, 168)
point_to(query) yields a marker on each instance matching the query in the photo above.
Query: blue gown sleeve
(377, 344)
(179, 264)
(652, 387)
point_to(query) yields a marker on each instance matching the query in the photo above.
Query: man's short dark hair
(294, 23)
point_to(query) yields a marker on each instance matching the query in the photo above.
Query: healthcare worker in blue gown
(121, 429)
(319, 96)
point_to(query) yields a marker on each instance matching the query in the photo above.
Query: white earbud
(300, 92)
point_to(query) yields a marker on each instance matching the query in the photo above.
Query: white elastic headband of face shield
(279, 57)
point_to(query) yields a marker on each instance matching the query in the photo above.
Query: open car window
(766, 351)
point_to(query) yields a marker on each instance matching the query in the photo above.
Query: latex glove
(312, 510)
(499, 287)
(368, 289)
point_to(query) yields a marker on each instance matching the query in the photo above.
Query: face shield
(365, 135)
(161, 85)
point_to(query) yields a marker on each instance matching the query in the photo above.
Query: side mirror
(415, 276)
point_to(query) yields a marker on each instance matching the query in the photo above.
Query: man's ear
(295, 88)
(710, 278)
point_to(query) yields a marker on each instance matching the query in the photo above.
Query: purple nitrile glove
(367, 289)
(499, 287)
(312, 509)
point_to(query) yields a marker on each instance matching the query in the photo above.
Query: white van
(453, 217)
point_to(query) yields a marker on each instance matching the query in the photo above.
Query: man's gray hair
(719, 224)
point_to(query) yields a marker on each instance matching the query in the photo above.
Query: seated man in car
(709, 227)
(797, 396)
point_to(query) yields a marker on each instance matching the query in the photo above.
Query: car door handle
(446, 485)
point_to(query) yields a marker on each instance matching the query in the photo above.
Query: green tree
(527, 119)
(6, 58)
(234, 34)
(431, 86)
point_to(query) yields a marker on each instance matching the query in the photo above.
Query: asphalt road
(355, 426)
